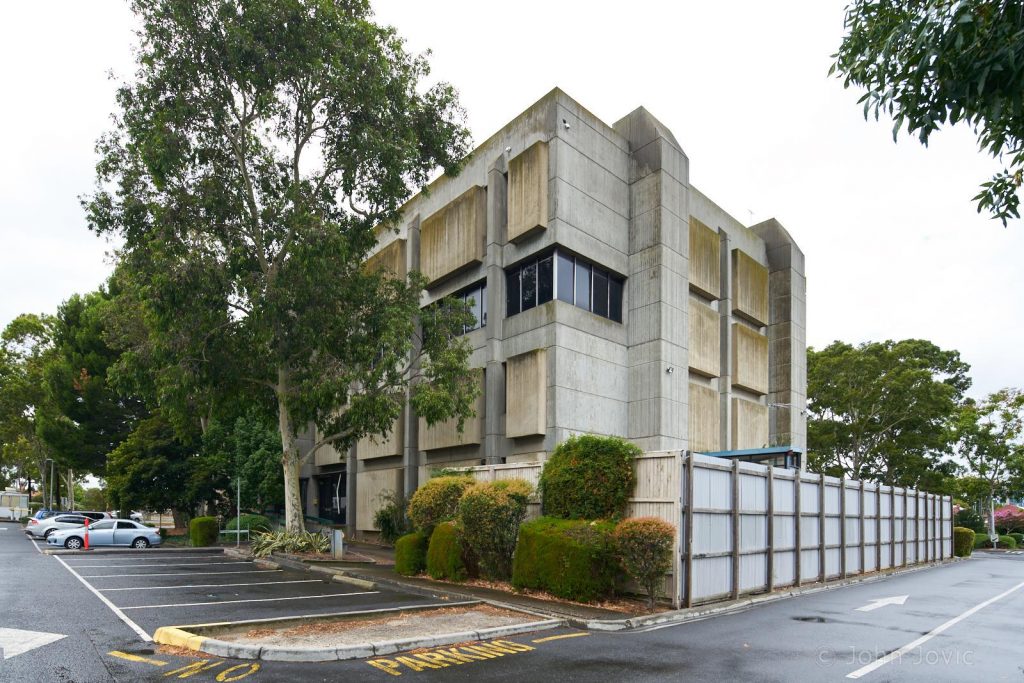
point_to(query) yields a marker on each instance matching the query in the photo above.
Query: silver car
(109, 532)
(42, 528)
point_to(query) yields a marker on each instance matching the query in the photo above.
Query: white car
(43, 528)
(109, 532)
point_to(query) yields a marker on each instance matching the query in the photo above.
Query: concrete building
(612, 297)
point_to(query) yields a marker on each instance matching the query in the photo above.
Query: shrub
(981, 540)
(963, 541)
(644, 546)
(437, 501)
(286, 542)
(588, 477)
(1017, 536)
(1008, 542)
(390, 518)
(572, 559)
(203, 531)
(444, 553)
(490, 514)
(970, 519)
(411, 553)
(251, 522)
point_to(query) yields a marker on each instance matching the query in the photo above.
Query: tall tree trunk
(293, 512)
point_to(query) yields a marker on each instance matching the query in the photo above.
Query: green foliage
(287, 542)
(1008, 542)
(1017, 536)
(927, 63)
(248, 446)
(644, 546)
(1005, 542)
(411, 553)
(253, 523)
(437, 501)
(254, 154)
(390, 518)
(588, 477)
(882, 411)
(444, 553)
(150, 469)
(489, 516)
(963, 541)
(571, 559)
(968, 518)
(203, 531)
(990, 441)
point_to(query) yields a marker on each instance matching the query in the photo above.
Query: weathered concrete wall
(446, 434)
(528, 192)
(750, 288)
(380, 446)
(705, 260)
(526, 394)
(750, 359)
(453, 238)
(391, 258)
(749, 424)
(372, 484)
(705, 419)
(705, 339)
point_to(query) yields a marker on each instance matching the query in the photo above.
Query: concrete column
(658, 286)
(411, 450)
(495, 445)
(787, 337)
(351, 467)
(725, 318)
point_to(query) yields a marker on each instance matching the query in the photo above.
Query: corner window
(475, 297)
(562, 276)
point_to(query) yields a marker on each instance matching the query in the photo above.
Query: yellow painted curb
(169, 635)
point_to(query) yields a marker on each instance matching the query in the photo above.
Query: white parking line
(150, 556)
(112, 576)
(37, 546)
(159, 564)
(211, 585)
(226, 602)
(113, 608)
(882, 661)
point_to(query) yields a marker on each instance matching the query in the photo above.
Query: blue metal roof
(772, 450)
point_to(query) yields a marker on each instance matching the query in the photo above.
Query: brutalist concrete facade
(710, 351)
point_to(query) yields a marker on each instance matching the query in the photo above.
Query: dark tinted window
(529, 285)
(512, 305)
(600, 292)
(583, 285)
(126, 525)
(70, 519)
(615, 299)
(566, 277)
(546, 279)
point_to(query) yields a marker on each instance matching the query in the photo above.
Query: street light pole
(238, 513)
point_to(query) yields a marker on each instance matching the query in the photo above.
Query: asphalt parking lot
(151, 589)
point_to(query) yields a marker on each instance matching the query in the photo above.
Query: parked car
(44, 513)
(109, 532)
(42, 528)
(96, 516)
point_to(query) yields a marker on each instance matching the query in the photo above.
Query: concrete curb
(703, 612)
(178, 636)
(340, 576)
(131, 551)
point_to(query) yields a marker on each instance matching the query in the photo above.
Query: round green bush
(444, 554)
(963, 541)
(490, 514)
(251, 522)
(411, 553)
(569, 558)
(981, 541)
(203, 531)
(437, 501)
(588, 477)
(644, 546)
(1017, 536)
(1008, 542)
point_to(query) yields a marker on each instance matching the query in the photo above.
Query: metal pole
(52, 465)
(238, 514)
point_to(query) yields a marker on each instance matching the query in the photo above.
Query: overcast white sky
(894, 246)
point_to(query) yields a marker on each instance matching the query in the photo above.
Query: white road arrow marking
(882, 602)
(14, 641)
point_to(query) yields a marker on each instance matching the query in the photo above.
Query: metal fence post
(821, 527)
(906, 516)
(689, 531)
(878, 527)
(863, 569)
(797, 484)
(770, 556)
(735, 529)
(842, 526)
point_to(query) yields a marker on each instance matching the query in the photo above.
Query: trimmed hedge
(251, 522)
(411, 553)
(1008, 542)
(963, 541)
(444, 553)
(572, 559)
(1017, 536)
(1005, 542)
(490, 514)
(644, 546)
(437, 501)
(588, 477)
(203, 531)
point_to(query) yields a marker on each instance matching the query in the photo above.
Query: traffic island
(353, 635)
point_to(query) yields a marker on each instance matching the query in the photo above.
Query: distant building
(611, 297)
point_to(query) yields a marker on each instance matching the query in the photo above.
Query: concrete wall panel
(526, 394)
(705, 417)
(749, 287)
(391, 258)
(749, 424)
(705, 260)
(528, 192)
(454, 237)
(705, 339)
(446, 434)
(379, 446)
(749, 359)
(372, 485)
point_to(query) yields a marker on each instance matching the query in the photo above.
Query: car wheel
(140, 543)
(48, 532)
(73, 543)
